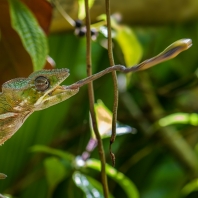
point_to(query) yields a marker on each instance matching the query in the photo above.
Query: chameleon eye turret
(41, 83)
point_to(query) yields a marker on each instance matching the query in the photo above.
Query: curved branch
(170, 52)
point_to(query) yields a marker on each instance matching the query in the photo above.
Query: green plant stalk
(115, 82)
(91, 102)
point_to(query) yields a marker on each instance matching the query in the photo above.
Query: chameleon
(20, 97)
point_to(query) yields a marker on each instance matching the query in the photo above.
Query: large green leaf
(31, 34)
(129, 45)
(179, 118)
(165, 181)
(190, 187)
(126, 184)
(55, 172)
(104, 120)
(56, 152)
(81, 10)
(83, 183)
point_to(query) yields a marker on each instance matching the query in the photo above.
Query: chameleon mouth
(61, 89)
(57, 95)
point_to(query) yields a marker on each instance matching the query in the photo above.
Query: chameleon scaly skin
(20, 97)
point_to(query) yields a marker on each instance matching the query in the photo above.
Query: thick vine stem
(91, 103)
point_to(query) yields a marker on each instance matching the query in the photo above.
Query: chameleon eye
(41, 83)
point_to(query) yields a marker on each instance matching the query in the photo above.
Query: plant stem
(63, 13)
(115, 82)
(91, 103)
(170, 52)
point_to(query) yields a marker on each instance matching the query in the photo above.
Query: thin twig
(115, 82)
(170, 52)
(63, 13)
(91, 103)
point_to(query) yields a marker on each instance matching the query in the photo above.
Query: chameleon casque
(20, 97)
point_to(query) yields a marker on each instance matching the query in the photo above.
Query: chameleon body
(20, 97)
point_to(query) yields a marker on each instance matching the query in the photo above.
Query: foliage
(21, 40)
(31, 34)
(44, 158)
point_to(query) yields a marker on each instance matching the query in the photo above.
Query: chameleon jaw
(61, 89)
(57, 95)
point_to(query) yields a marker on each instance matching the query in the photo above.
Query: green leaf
(190, 187)
(55, 172)
(91, 187)
(179, 118)
(129, 45)
(81, 181)
(44, 149)
(81, 10)
(5, 196)
(31, 34)
(164, 183)
(104, 120)
(97, 185)
(127, 185)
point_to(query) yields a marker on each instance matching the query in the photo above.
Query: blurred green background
(160, 159)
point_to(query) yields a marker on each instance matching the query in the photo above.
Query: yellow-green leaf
(31, 34)
(55, 172)
(129, 45)
(81, 10)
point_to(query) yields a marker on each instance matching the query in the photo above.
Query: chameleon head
(40, 90)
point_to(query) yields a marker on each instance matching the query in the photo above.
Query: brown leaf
(42, 10)
(15, 60)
